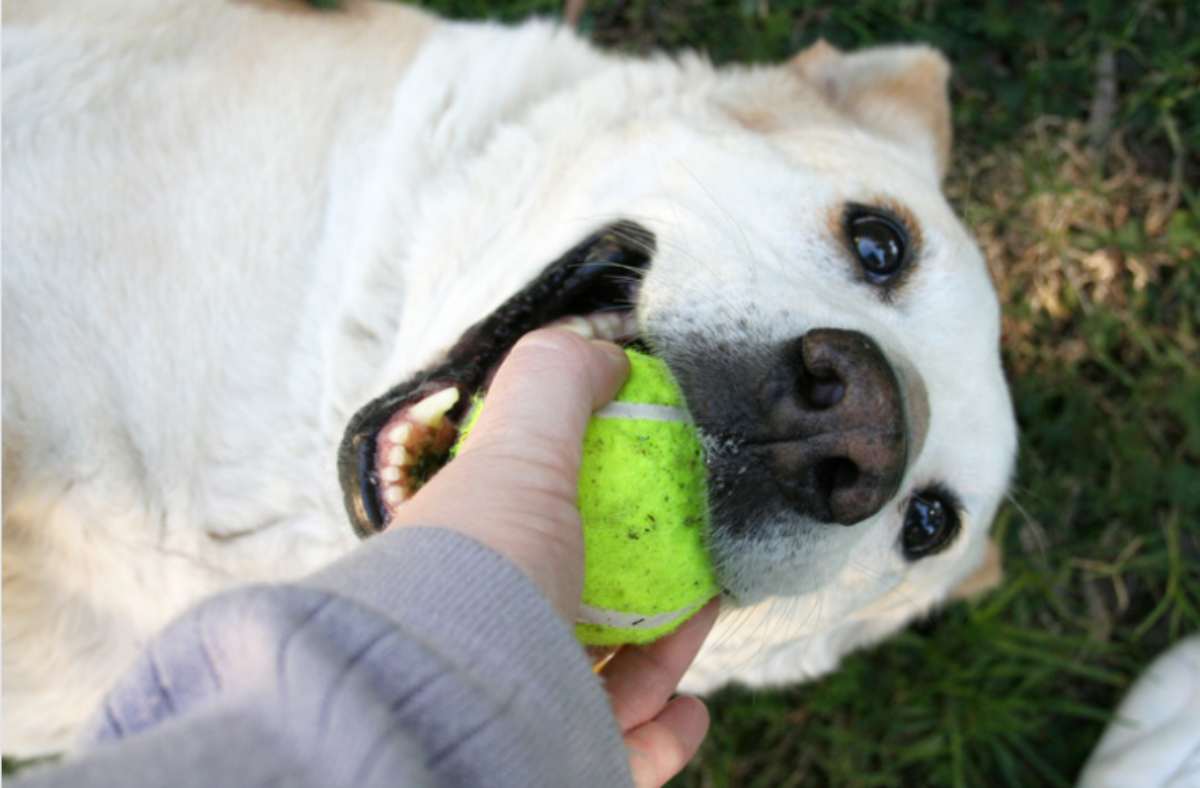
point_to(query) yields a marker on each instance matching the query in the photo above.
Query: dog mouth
(399, 440)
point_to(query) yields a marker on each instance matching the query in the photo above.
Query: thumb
(514, 485)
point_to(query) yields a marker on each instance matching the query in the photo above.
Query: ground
(1078, 147)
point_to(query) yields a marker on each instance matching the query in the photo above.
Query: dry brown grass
(1067, 228)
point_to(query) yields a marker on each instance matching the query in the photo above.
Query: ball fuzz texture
(644, 507)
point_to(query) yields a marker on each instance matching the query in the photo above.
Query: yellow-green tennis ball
(644, 506)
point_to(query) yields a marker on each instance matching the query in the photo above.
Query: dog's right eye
(878, 240)
(930, 523)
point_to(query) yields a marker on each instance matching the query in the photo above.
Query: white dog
(256, 258)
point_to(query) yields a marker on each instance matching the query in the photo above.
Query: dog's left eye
(930, 523)
(878, 240)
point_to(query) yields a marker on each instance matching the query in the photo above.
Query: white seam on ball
(642, 411)
(615, 619)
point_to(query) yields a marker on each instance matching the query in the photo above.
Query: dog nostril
(834, 428)
(822, 389)
(834, 473)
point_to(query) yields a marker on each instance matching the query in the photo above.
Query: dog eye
(878, 240)
(930, 523)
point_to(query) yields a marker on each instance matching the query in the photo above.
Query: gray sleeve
(422, 658)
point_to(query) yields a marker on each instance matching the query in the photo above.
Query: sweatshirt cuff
(485, 616)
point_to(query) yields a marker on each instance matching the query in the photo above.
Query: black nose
(835, 432)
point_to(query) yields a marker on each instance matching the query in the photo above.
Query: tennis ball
(643, 503)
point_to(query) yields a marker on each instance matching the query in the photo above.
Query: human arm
(425, 655)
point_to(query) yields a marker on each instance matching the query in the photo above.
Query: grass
(1088, 213)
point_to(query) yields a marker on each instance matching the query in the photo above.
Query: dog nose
(835, 430)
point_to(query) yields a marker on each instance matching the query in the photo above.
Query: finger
(639, 680)
(661, 747)
(514, 485)
(544, 394)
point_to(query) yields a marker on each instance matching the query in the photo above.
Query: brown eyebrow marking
(899, 210)
(837, 223)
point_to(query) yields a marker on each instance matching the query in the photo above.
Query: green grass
(1012, 64)
(1093, 240)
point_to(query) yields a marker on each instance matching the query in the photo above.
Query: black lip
(602, 270)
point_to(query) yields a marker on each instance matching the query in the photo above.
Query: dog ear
(985, 578)
(896, 91)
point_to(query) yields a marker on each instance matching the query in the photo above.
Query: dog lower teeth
(416, 437)
(433, 408)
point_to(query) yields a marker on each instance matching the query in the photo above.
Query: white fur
(228, 227)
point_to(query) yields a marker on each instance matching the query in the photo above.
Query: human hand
(661, 733)
(513, 487)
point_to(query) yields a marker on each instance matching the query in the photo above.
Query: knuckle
(657, 756)
(544, 478)
(531, 456)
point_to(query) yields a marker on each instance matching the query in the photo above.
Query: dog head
(779, 237)
(836, 332)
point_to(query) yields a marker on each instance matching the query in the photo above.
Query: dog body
(229, 225)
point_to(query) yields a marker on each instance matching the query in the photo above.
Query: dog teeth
(417, 431)
(617, 325)
(577, 325)
(600, 325)
(608, 325)
(431, 410)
